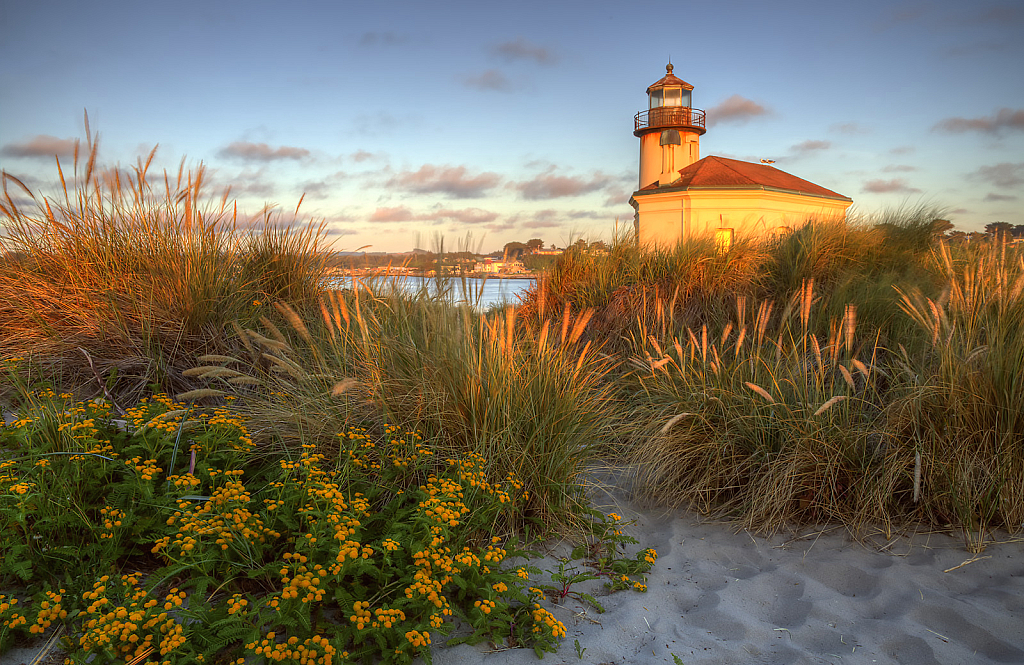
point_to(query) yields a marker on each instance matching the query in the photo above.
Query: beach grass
(859, 373)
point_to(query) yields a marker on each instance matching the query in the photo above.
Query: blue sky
(405, 121)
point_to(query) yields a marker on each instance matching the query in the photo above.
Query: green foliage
(368, 553)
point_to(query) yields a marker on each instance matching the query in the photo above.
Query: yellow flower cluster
(541, 617)
(237, 604)
(305, 582)
(445, 503)
(418, 639)
(147, 469)
(390, 545)
(471, 471)
(21, 488)
(361, 616)
(14, 619)
(223, 518)
(138, 415)
(186, 481)
(387, 618)
(224, 417)
(494, 554)
(49, 611)
(485, 605)
(112, 518)
(132, 630)
(313, 651)
(650, 556)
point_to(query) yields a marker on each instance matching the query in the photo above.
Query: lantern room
(669, 130)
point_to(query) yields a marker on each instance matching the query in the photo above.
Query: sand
(814, 596)
(817, 596)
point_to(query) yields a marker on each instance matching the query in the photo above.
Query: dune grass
(117, 278)
(533, 400)
(762, 417)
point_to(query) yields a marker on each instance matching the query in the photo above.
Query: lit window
(723, 239)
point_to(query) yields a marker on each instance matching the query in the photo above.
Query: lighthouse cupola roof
(670, 80)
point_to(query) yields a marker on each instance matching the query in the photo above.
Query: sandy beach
(815, 596)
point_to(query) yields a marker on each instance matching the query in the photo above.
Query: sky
(406, 122)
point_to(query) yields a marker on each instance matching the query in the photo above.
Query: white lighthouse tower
(669, 131)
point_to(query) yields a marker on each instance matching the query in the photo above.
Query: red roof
(722, 173)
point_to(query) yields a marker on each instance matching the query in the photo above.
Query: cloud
(736, 110)
(902, 150)
(463, 215)
(1004, 174)
(451, 180)
(894, 186)
(851, 128)
(363, 155)
(521, 49)
(492, 79)
(1003, 119)
(42, 146)
(381, 39)
(550, 186)
(992, 196)
(809, 146)
(321, 189)
(899, 168)
(261, 152)
(1001, 15)
(399, 214)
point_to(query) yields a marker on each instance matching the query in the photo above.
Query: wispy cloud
(261, 152)
(899, 168)
(809, 146)
(849, 128)
(894, 186)
(550, 186)
(492, 79)
(520, 49)
(1004, 174)
(462, 216)
(451, 180)
(1003, 119)
(992, 196)
(736, 110)
(382, 39)
(363, 155)
(323, 188)
(42, 146)
(902, 150)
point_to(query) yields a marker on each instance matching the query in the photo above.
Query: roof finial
(668, 67)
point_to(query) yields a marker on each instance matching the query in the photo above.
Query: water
(490, 291)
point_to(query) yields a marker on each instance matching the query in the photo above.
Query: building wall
(665, 218)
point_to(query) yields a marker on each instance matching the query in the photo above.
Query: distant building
(682, 195)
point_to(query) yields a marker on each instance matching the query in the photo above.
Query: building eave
(669, 189)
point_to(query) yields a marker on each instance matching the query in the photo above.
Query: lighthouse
(669, 130)
(682, 195)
